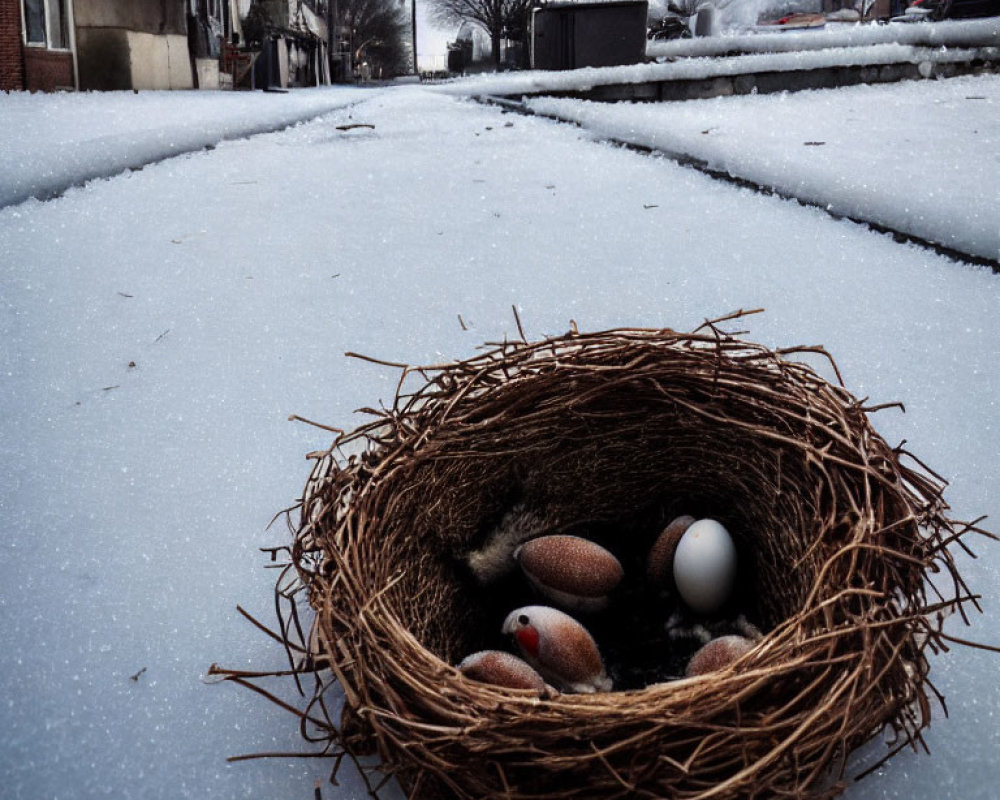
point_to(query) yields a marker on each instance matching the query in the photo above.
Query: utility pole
(338, 73)
(413, 26)
(331, 37)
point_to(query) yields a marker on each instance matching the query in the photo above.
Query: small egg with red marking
(705, 566)
(501, 669)
(559, 647)
(570, 571)
(718, 654)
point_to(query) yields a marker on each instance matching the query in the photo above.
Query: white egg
(705, 566)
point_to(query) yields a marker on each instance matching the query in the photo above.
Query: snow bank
(710, 57)
(51, 142)
(921, 158)
(949, 33)
(540, 82)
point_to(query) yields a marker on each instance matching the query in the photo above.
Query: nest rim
(406, 701)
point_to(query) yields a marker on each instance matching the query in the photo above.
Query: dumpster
(566, 35)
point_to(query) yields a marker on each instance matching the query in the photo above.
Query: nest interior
(609, 435)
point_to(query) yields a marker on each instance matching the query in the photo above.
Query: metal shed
(566, 35)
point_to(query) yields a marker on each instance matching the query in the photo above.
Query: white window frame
(67, 16)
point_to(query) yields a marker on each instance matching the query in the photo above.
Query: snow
(949, 33)
(709, 57)
(50, 142)
(135, 499)
(906, 170)
(432, 40)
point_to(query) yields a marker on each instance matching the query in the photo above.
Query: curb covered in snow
(142, 138)
(720, 66)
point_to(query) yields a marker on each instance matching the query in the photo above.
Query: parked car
(675, 24)
(671, 26)
(794, 22)
(917, 11)
(686, 19)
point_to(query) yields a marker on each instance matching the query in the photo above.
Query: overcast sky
(431, 41)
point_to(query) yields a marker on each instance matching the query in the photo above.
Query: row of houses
(48, 45)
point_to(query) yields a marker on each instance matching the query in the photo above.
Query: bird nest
(609, 435)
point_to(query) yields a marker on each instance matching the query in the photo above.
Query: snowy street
(159, 327)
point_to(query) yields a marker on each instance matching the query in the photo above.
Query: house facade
(41, 55)
(141, 45)
(294, 47)
(49, 45)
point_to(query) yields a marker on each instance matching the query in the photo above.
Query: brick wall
(11, 61)
(46, 70)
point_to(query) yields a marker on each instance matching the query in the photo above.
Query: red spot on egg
(527, 637)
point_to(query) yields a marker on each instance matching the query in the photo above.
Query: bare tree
(500, 18)
(379, 34)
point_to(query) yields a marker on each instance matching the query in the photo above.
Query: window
(45, 23)
(57, 24)
(34, 21)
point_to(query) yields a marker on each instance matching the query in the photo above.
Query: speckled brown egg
(501, 669)
(660, 563)
(717, 654)
(570, 571)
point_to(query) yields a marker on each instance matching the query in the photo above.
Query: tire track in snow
(687, 160)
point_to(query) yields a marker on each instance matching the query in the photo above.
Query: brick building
(48, 45)
(36, 45)
(11, 58)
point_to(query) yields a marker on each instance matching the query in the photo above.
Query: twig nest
(704, 566)
(501, 668)
(559, 647)
(610, 436)
(572, 572)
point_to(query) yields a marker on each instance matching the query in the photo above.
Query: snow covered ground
(158, 328)
(51, 141)
(842, 150)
